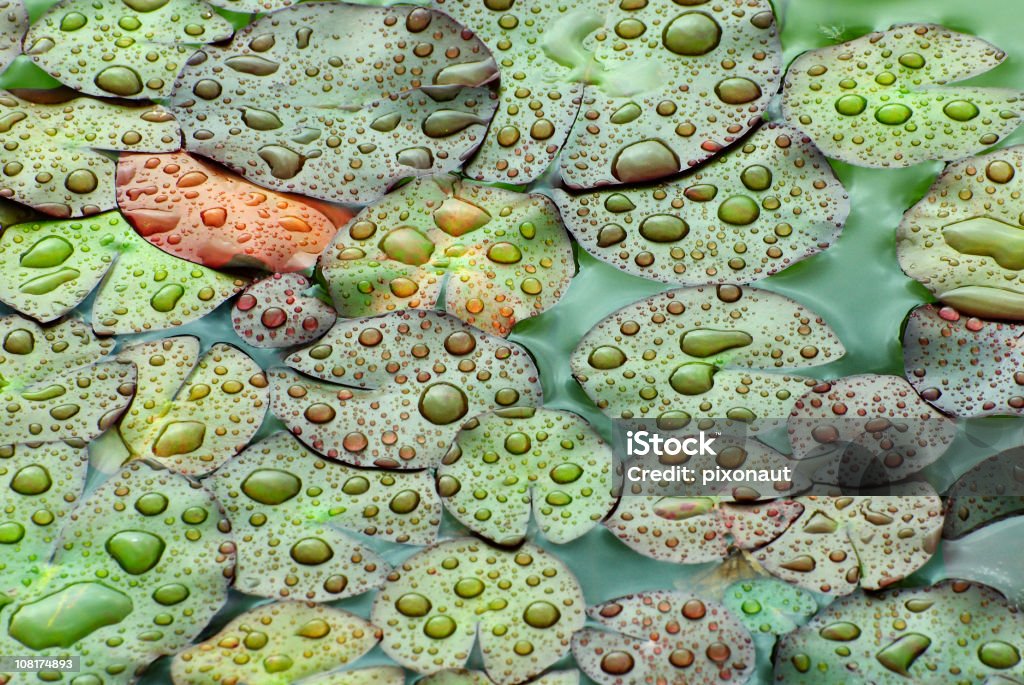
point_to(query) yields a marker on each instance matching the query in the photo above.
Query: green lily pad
(869, 430)
(278, 312)
(122, 49)
(954, 631)
(13, 24)
(665, 637)
(838, 543)
(300, 101)
(374, 675)
(990, 491)
(766, 605)
(139, 569)
(884, 99)
(52, 266)
(288, 509)
(277, 644)
(755, 210)
(50, 158)
(495, 256)
(411, 377)
(525, 605)
(962, 240)
(725, 352)
(506, 462)
(58, 383)
(462, 676)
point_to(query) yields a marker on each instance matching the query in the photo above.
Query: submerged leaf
(503, 463)
(990, 491)
(287, 505)
(954, 631)
(277, 644)
(662, 637)
(128, 49)
(300, 101)
(755, 210)
(884, 99)
(277, 312)
(50, 158)
(411, 377)
(194, 210)
(524, 605)
(766, 605)
(13, 24)
(192, 413)
(496, 256)
(58, 383)
(964, 240)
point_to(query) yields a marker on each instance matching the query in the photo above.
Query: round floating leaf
(374, 675)
(664, 637)
(277, 644)
(278, 312)
(140, 568)
(776, 184)
(49, 157)
(207, 215)
(963, 365)
(840, 542)
(301, 100)
(506, 462)
(287, 505)
(868, 430)
(987, 493)
(412, 376)
(524, 604)
(192, 413)
(13, 24)
(462, 676)
(883, 100)
(703, 352)
(57, 383)
(52, 266)
(766, 605)
(122, 49)
(963, 240)
(458, 238)
(951, 632)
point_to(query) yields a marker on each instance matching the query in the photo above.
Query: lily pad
(277, 644)
(207, 215)
(373, 675)
(122, 49)
(462, 676)
(506, 462)
(704, 227)
(139, 569)
(725, 352)
(192, 413)
(961, 240)
(769, 606)
(664, 637)
(288, 508)
(885, 99)
(954, 631)
(58, 383)
(52, 266)
(278, 312)
(13, 24)
(963, 365)
(51, 159)
(495, 256)
(301, 100)
(872, 541)
(411, 377)
(525, 605)
(990, 491)
(868, 430)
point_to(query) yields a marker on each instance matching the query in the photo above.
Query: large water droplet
(68, 615)
(271, 486)
(136, 551)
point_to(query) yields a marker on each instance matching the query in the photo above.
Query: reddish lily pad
(13, 24)
(701, 228)
(194, 210)
(524, 605)
(300, 101)
(664, 637)
(884, 99)
(769, 606)
(278, 312)
(497, 257)
(991, 491)
(954, 631)
(411, 377)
